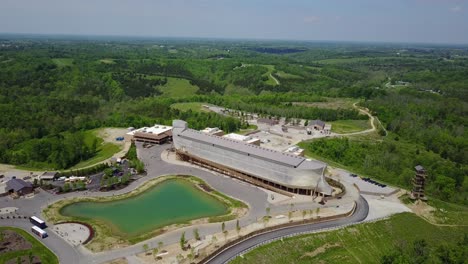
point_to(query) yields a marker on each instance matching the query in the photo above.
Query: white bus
(39, 232)
(37, 222)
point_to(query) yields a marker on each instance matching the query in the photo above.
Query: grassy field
(38, 249)
(449, 213)
(349, 126)
(62, 62)
(194, 106)
(177, 87)
(286, 75)
(107, 61)
(365, 243)
(270, 81)
(105, 150)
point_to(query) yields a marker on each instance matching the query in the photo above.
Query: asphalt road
(362, 209)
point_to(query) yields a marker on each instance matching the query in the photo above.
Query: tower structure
(419, 183)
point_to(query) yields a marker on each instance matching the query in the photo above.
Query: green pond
(171, 201)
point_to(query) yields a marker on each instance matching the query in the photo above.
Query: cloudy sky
(431, 21)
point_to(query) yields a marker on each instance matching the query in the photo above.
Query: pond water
(169, 202)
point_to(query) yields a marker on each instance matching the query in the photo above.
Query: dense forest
(52, 90)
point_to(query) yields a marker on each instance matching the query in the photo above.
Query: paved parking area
(364, 187)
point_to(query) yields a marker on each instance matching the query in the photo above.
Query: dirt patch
(109, 134)
(12, 241)
(320, 250)
(205, 187)
(25, 259)
(424, 210)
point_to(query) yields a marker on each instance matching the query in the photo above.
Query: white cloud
(456, 9)
(311, 19)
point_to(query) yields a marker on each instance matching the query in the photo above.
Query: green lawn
(105, 150)
(177, 87)
(194, 106)
(62, 62)
(270, 81)
(364, 243)
(350, 126)
(38, 249)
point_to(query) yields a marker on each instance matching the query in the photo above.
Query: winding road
(362, 209)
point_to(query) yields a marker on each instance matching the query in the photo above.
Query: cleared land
(16, 243)
(350, 126)
(107, 61)
(193, 106)
(177, 87)
(62, 62)
(365, 243)
(331, 103)
(105, 150)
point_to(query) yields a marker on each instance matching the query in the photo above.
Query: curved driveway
(362, 209)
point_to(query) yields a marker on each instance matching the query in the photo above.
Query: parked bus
(37, 222)
(39, 232)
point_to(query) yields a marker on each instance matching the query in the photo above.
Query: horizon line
(148, 37)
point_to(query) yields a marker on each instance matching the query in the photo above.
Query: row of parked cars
(369, 180)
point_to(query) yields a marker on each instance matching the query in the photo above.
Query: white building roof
(156, 130)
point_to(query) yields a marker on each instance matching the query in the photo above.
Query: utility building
(281, 172)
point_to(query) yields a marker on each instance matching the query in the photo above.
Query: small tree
(66, 187)
(160, 245)
(182, 241)
(223, 227)
(317, 212)
(238, 228)
(155, 253)
(196, 234)
(289, 215)
(304, 214)
(145, 248)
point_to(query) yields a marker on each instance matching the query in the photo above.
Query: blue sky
(431, 21)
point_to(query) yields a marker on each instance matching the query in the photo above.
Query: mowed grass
(38, 249)
(350, 126)
(193, 106)
(107, 61)
(271, 80)
(63, 62)
(105, 150)
(364, 243)
(448, 213)
(177, 87)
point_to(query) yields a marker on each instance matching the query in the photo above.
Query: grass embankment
(105, 150)
(350, 126)
(365, 243)
(106, 236)
(38, 249)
